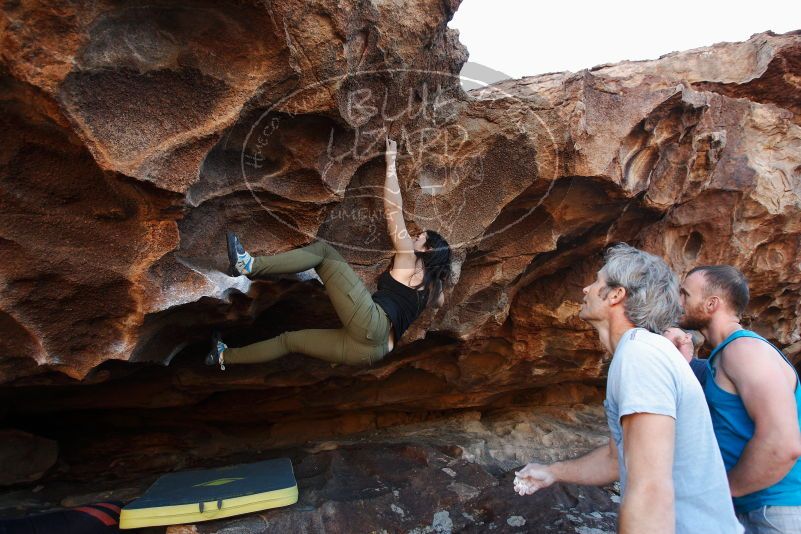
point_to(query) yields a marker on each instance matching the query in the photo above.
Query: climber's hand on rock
(533, 478)
(392, 150)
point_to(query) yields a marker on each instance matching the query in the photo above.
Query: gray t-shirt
(649, 375)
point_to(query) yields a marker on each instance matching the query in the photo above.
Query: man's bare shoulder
(749, 348)
(749, 358)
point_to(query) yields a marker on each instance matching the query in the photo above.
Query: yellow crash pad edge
(190, 513)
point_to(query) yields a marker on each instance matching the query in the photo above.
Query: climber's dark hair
(437, 264)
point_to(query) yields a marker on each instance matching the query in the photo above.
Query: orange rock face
(123, 153)
(134, 136)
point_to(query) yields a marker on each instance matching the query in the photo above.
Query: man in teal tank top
(754, 399)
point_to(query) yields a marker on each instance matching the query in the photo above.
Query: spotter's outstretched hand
(533, 478)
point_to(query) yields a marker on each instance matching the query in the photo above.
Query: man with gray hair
(662, 447)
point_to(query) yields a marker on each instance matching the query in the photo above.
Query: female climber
(372, 324)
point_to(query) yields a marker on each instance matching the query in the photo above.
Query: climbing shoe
(240, 262)
(215, 355)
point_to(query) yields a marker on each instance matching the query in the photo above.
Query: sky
(526, 37)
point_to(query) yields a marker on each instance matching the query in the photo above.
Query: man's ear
(616, 295)
(712, 304)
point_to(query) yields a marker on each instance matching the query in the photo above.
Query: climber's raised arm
(413, 279)
(393, 211)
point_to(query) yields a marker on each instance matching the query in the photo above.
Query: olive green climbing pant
(363, 338)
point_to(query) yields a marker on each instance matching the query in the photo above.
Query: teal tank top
(734, 428)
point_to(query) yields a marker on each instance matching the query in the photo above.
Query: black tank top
(402, 303)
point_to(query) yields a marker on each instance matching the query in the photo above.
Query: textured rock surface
(122, 146)
(133, 135)
(127, 155)
(25, 457)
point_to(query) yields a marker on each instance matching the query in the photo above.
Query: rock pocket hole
(693, 246)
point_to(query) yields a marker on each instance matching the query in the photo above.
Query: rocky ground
(452, 475)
